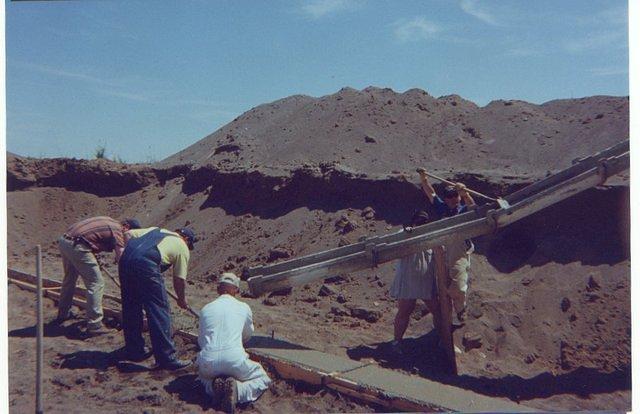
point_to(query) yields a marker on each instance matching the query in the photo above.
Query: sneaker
(230, 396)
(175, 364)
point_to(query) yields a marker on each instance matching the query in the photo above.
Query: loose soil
(549, 296)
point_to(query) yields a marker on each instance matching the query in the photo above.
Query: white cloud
(598, 40)
(63, 73)
(472, 8)
(138, 97)
(610, 71)
(607, 29)
(418, 28)
(317, 9)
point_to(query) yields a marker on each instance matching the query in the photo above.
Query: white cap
(230, 278)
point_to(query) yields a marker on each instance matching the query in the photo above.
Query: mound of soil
(378, 131)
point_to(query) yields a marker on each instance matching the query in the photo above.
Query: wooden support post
(39, 330)
(443, 325)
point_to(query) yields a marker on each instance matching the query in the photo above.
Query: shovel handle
(425, 172)
(189, 309)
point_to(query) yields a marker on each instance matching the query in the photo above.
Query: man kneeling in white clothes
(225, 325)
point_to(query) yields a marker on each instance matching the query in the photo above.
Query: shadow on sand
(423, 357)
(190, 390)
(52, 330)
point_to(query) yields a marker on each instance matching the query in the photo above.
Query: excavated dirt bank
(521, 280)
(100, 177)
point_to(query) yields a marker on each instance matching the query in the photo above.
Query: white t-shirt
(225, 324)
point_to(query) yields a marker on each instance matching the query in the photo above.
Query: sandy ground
(549, 296)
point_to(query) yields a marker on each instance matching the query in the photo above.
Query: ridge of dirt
(375, 131)
(99, 177)
(328, 187)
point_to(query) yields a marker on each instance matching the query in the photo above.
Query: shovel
(501, 201)
(189, 309)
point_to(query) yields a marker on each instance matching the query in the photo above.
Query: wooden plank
(306, 274)
(444, 323)
(29, 278)
(360, 246)
(305, 260)
(393, 251)
(560, 192)
(56, 296)
(372, 395)
(53, 283)
(288, 370)
(362, 260)
(583, 165)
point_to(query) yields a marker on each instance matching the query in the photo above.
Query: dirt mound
(378, 131)
(549, 304)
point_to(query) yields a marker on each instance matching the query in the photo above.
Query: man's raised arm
(426, 185)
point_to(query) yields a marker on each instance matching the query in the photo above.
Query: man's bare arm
(426, 185)
(118, 254)
(465, 196)
(179, 287)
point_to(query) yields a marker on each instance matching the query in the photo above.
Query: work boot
(230, 398)
(175, 364)
(126, 355)
(396, 348)
(460, 316)
(97, 329)
(62, 318)
(218, 391)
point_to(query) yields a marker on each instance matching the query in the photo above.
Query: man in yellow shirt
(148, 253)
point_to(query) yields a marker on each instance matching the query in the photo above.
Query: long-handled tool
(501, 201)
(189, 309)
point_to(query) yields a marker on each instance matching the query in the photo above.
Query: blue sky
(148, 78)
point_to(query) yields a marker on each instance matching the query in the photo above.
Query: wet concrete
(374, 379)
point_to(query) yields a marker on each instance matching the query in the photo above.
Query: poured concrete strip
(307, 365)
(366, 381)
(414, 393)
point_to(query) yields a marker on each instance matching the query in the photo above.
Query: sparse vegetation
(100, 152)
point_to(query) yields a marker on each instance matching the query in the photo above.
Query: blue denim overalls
(142, 286)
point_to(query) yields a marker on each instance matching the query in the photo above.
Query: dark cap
(133, 223)
(450, 191)
(189, 235)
